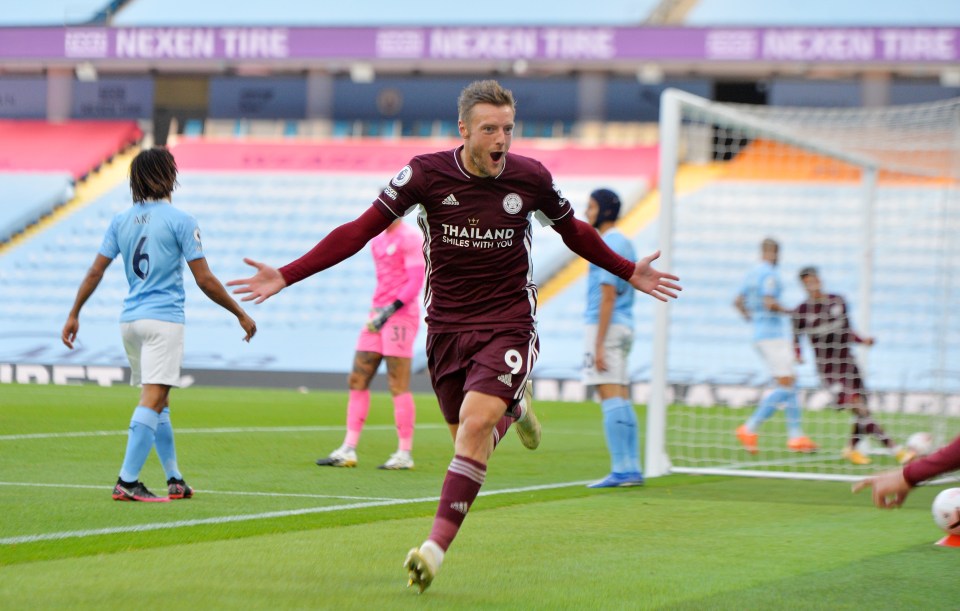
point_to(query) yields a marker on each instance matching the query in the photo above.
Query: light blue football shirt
(763, 281)
(154, 239)
(597, 276)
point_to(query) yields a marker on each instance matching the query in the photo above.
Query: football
(946, 511)
(921, 443)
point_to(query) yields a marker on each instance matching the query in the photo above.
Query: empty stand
(77, 147)
(28, 197)
(273, 216)
(717, 243)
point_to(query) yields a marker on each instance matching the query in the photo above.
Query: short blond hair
(483, 92)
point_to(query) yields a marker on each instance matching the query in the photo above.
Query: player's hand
(381, 315)
(266, 283)
(869, 341)
(248, 325)
(70, 330)
(599, 359)
(890, 488)
(653, 282)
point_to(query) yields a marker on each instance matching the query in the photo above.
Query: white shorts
(616, 349)
(155, 351)
(778, 355)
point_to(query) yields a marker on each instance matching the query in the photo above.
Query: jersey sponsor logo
(450, 200)
(512, 203)
(474, 236)
(402, 177)
(506, 378)
(391, 193)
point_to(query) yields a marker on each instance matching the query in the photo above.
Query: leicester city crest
(512, 203)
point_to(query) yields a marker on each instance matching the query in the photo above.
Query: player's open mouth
(496, 156)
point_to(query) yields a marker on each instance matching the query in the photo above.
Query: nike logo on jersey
(450, 200)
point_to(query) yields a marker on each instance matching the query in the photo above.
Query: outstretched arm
(89, 284)
(890, 488)
(341, 243)
(584, 240)
(212, 288)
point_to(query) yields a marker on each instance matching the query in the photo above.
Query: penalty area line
(205, 491)
(268, 515)
(214, 431)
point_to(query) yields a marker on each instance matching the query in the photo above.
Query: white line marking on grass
(72, 534)
(242, 429)
(229, 492)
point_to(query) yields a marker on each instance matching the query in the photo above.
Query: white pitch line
(247, 429)
(204, 491)
(72, 534)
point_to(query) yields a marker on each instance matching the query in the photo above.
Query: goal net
(868, 197)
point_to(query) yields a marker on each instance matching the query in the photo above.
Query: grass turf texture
(681, 542)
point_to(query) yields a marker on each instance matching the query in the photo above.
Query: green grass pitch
(268, 529)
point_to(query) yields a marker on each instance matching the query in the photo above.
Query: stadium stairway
(96, 183)
(563, 296)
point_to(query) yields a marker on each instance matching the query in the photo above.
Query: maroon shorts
(495, 362)
(843, 378)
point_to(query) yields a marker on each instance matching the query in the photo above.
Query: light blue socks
(792, 412)
(165, 448)
(767, 407)
(620, 428)
(143, 429)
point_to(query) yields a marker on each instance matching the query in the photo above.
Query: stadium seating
(212, 12)
(51, 12)
(30, 196)
(77, 147)
(714, 247)
(269, 214)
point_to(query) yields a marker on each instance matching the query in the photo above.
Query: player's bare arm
(773, 305)
(212, 288)
(741, 305)
(89, 284)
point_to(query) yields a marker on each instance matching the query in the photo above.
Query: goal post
(866, 196)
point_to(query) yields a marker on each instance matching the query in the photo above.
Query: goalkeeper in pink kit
(388, 335)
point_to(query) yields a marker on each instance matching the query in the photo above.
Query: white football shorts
(616, 348)
(155, 351)
(778, 355)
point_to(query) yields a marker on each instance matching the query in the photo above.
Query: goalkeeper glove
(376, 323)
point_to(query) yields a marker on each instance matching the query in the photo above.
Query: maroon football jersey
(826, 323)
(477, 236)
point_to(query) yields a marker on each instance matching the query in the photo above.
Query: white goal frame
(675, 105)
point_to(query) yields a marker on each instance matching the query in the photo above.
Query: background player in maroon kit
(475, 207)
(823, 318)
